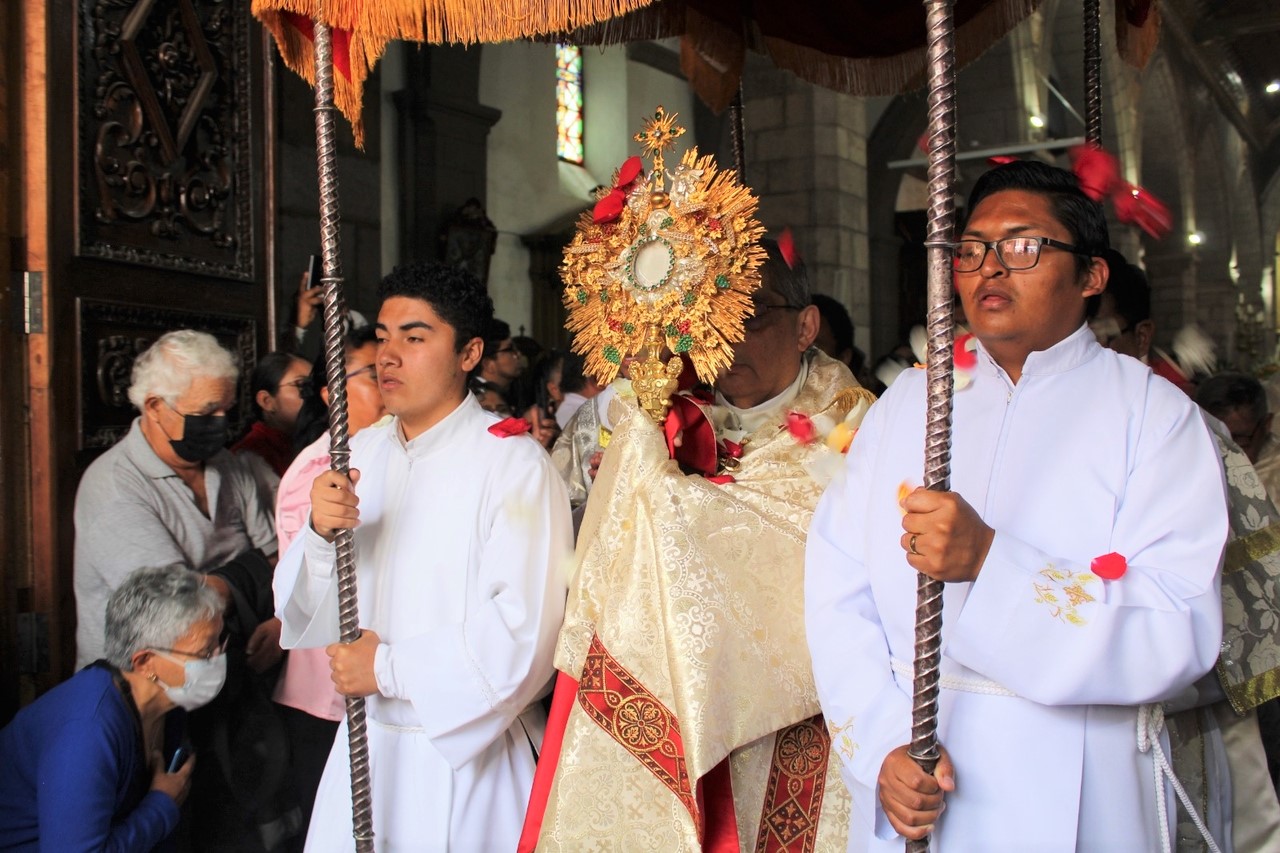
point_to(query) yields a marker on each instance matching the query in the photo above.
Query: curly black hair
(452, 292)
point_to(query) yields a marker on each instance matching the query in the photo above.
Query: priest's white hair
(168, 367)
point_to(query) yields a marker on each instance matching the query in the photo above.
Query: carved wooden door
(159, 216)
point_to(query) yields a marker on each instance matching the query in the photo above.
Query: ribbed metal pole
(940, 23)
(737, 129)
(1093, 72)
(335, 312)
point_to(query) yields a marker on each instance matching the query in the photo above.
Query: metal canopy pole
(738, 132)
(940, 23)
(1093, 72)
(335, 311)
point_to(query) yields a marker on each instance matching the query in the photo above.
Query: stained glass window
(569, 145)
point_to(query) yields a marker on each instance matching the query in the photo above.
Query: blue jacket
(74, 775)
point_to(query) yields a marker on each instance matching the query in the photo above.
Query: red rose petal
(801, 428)
(1110, 566)
(509, 427)
(721, 480)
(964, 358)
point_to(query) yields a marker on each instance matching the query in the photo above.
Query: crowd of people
(690, 634)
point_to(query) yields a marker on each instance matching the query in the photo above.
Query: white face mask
(202, 679)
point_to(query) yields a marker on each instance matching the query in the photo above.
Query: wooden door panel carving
(166, 127)
(147, 204)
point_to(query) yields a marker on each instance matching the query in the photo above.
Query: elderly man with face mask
(685, 717)
(167, 492)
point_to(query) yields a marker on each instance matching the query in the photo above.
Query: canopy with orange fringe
(361, 30)
(863, 47)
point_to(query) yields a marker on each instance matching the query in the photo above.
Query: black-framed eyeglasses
(208, 655)
(298, 384)
(760, 313)
(369, 370)
(507, 351)
(1014, 253)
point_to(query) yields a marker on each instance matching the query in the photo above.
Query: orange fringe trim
(299, 55)
(373, 23)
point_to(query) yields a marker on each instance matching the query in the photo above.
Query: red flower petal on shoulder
(509, 427)
(801, 428)
(1110, 566)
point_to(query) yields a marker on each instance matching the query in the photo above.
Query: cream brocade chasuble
(685, 628)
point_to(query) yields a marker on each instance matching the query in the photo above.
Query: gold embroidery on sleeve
(1063, 592)
(840, 738)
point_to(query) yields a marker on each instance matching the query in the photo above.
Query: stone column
(1172, 275)
(444, 132)
(806, 157)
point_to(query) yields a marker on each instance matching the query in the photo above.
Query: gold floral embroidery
(840, 738)
(1065, 584)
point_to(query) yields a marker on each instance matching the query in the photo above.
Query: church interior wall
(814, 168)
(528, 187)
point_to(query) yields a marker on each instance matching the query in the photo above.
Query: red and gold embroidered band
(793, 796)
(633, 717)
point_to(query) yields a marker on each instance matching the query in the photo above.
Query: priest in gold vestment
(685, 716)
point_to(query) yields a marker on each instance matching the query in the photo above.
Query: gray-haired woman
(83, 769)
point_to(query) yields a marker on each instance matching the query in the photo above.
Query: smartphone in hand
(180, 756)
(314, 271)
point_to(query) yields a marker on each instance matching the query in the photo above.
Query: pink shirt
(305, 683)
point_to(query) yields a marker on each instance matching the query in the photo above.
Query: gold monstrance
(663, 269)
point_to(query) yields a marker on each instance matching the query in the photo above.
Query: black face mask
(202, 437)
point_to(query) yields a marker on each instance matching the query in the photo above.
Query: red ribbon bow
(509, 427)
(1099, 176)
(697, 448)
(609, 208)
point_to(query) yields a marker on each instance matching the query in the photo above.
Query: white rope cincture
(953, 682)
(1150, 724)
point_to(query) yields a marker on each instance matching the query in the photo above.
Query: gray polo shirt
(133, 510)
